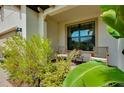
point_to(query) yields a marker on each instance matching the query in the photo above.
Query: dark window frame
(79, 36)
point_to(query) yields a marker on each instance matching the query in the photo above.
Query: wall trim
(8, 31)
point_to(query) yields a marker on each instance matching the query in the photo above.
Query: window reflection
(81, 36)
(75, 34)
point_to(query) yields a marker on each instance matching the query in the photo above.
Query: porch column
(22, 22)
(120, 54)
(42, 25)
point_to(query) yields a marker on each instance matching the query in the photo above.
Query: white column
(42, 25)
(120, 55)
(22, 22)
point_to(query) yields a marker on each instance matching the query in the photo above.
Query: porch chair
(101, 54)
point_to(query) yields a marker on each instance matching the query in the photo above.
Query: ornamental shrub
(29, 62)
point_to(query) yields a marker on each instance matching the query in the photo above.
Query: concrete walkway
(3, 79)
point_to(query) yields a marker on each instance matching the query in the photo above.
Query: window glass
(81, 36)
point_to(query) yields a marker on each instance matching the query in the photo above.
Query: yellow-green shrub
(29, 62)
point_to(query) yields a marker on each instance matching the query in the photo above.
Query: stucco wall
(31, 22)
(62, 35)
(52, 32)
(12, 18)
(105, 39)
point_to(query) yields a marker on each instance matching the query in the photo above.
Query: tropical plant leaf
(111, 19)
(121, 13)
(93, 74)
(113, 32)
(108, 7)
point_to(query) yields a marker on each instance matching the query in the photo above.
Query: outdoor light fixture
(18, 29)
(123, 51)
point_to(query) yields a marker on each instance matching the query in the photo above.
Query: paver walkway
(3, 79)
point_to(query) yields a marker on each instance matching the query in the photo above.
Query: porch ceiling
(35, 7)
(79, 12)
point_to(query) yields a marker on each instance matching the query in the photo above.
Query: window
(81, 36)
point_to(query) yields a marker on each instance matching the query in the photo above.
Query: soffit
(81, 11)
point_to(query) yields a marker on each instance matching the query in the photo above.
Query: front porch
(56, 31)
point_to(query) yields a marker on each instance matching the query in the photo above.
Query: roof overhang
(38, 8)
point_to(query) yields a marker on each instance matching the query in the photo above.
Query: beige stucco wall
(31, 23)
(105, 39)
(12, 18)
(52, 32)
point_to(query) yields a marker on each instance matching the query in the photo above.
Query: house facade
(66, 26)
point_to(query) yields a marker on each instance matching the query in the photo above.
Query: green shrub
(55, 74)
(29, 62)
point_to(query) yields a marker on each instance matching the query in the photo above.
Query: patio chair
(101, 54)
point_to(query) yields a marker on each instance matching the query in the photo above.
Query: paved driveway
(3, 79)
